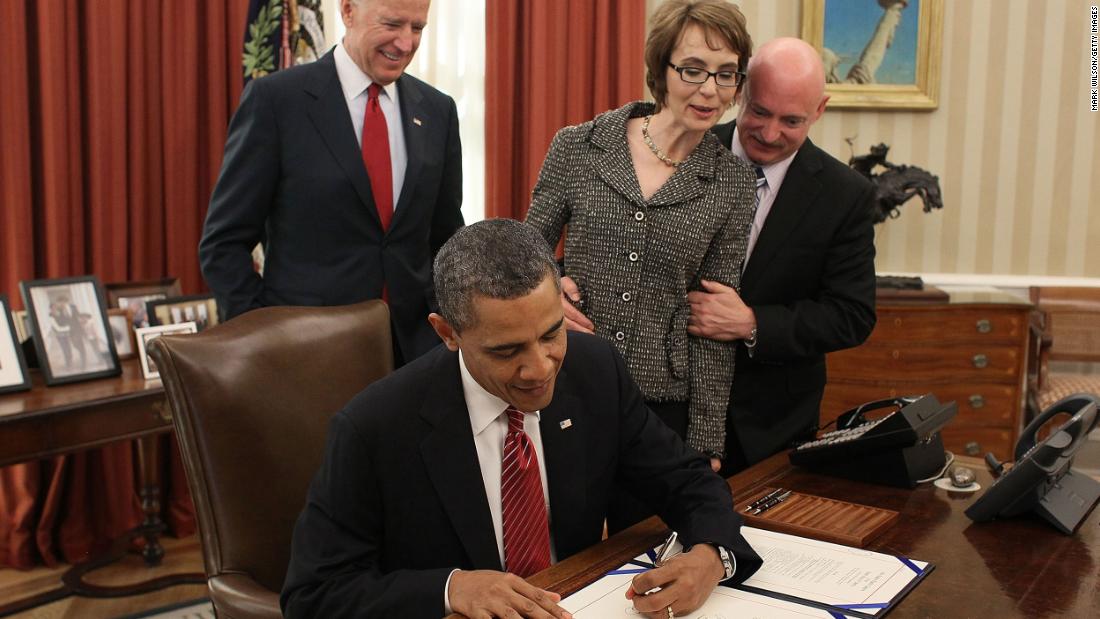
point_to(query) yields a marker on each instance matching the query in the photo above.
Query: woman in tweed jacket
(654, 204)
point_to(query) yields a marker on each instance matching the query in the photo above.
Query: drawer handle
(984, 326)
(977, 401)
(973, 448)
(980, 361)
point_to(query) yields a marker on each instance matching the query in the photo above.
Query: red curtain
(112, 122)
(550, 65)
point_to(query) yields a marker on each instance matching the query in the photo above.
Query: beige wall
(1013, 142)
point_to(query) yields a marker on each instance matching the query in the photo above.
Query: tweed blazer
(635, 259)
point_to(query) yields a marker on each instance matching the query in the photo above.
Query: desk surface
(1013, 568)
(47, 421)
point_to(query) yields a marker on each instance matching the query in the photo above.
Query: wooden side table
(971, 348)
(46, 422)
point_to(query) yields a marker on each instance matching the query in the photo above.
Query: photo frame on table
(878, 55)
(72, 336)
(13, 366)
(134, 295)
(22, 325)
(201, 309)
(145, 335)
(122, 330)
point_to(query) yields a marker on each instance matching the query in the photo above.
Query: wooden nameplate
(819, 518)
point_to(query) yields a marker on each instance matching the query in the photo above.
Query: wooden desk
(51, 421)
(1013, 568)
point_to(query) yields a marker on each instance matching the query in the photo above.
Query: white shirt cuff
(447, 610)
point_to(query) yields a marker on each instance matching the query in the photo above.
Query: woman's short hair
(718, 18)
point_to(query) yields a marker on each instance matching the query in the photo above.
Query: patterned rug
(192, 609)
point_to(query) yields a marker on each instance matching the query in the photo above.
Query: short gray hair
(496, 258)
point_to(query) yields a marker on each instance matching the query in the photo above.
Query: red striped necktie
(526, 529)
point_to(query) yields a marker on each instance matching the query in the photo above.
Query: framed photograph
(122, 330)
(69, 319)
(13, 367)
(878, 55)
(22, 327)
(148, 334)
(134, 295)
(200, 309)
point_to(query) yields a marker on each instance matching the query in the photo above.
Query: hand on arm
(575, 320)
(484, 594)
(718, 313)
(684, 583)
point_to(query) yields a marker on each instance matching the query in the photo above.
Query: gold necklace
(657, 152)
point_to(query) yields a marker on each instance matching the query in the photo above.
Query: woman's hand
(575, 320)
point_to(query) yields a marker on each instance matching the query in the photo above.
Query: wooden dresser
(971, 348)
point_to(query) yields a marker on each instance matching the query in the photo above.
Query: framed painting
(878, 55)
(13, 367)
(72, 338)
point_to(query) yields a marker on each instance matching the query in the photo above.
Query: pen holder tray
(819, 518)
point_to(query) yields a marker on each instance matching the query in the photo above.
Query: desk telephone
(1043, 479)
(897, 449)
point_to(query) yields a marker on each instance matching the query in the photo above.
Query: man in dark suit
(349, 172)
(412, 513)
(808, 286)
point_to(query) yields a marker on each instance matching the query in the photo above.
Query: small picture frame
(122, 330)
(133, 296)
(13, 367)
(147, 334)
(22, 325)
(200, 309)
(69, 319)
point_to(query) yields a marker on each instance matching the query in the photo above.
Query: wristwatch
(728, 562)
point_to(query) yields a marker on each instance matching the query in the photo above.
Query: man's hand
(715, 464)
(574, 319)
(718, 313)
(486, 594)
(684, 583)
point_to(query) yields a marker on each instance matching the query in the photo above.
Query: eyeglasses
(695, 75)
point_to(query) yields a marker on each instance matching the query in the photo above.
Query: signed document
(800, 578)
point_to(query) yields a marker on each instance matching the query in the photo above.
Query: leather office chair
(251, 399)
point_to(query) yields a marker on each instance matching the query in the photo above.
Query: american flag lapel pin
(565, 424)
(416, 121)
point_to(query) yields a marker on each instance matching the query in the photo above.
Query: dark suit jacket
(293, 177)
(810, 280)
(399, 500)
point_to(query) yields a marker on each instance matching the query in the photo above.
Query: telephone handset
(1043, 479)
(896, 449)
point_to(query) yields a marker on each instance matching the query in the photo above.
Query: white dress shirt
(354, 83)
(490, 425)
(774, 174)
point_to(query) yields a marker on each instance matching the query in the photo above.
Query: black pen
(772, 503)
(764, 499)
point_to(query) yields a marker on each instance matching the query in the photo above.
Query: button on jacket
(635, 259)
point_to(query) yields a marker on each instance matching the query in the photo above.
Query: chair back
(1072, 316)
(251, 400)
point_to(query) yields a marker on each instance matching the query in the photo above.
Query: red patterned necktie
(526, 529)
(376, 156)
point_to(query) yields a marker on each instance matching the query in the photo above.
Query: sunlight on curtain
(451, 58)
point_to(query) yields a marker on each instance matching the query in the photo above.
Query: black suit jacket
(810, 280)
(399, 500)
(293, 177)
